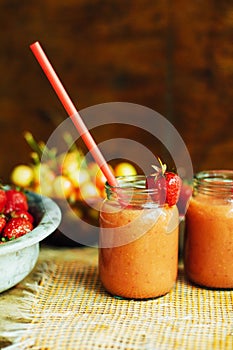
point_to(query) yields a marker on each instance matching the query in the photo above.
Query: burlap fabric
(62, 305)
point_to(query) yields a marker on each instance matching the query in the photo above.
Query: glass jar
(208, 243)
(138, 244)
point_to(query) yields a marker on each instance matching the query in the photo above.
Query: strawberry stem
(162, 169)
(163, 166)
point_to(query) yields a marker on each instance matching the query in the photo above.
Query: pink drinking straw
(72, 112)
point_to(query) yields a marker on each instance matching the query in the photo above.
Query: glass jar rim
(137, 182)
(134, 186)
(224, 177)
(214, 182)
(129, 183)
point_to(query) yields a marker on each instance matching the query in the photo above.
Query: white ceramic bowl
(18, 257)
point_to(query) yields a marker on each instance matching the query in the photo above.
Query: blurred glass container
(208, 243)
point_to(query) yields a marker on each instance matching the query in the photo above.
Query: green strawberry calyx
(162, 169)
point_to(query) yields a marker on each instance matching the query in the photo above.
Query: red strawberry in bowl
(22, 214)
(2, 222)
(16, 227)
(2, 199)
(16, 200)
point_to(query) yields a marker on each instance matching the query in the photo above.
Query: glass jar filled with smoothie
(208, 246)
(138, 245)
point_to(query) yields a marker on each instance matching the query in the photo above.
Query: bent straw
(72, 112)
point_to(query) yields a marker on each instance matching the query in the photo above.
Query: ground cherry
(79, 176)
(125, 169)
(62, 187)
(22, 175)
(70, 163)
(89, 191)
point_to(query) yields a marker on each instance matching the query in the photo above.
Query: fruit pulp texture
(142, 261)
(208, 246)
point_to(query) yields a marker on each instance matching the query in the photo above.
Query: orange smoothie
(138, 254)
(208, 247)
(208, 244)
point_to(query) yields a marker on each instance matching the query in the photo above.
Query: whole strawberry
(15, 200)
(22, 214)
(2, 222)
(2, 199)
(16, 227)
(167, 185)
(173, 184)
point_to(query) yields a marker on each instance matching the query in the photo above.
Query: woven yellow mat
(67, 308)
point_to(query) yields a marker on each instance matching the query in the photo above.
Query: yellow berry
(89, 191)
(78, 177)
(62, 187)
(70, 163)
(22, 175)
(125, 169)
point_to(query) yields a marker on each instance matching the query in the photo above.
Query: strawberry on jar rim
(173, 185)
(167, 184)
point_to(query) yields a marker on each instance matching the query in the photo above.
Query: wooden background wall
(175, 57)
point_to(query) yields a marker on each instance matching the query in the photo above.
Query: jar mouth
(132, 188)
(214, 182)
(130, 182)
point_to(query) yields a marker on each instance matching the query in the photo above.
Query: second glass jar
(208, 242)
